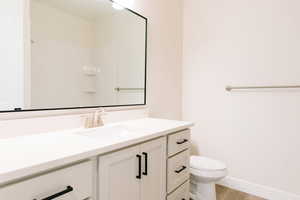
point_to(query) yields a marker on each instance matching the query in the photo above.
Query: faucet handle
(87, 120)
(98, 121)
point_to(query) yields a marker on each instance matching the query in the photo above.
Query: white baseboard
(257, 190)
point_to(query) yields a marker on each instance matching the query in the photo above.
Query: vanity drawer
(71, 183)
(178, 142)
(178, 170)
(181, 193)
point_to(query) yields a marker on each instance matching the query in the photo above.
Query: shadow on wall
(194, 149)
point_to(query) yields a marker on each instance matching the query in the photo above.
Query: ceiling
(89, 9)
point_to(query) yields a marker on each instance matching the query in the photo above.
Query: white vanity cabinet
(155, 170)
(182, 193)
(135, 173)
(70, 183)
(178, 174)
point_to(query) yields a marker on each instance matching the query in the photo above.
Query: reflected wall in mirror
(84, 53)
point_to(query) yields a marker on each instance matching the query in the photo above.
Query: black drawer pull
(146, 164)
(180, 170)
(183, 141)
(54, 196)
(139, 176)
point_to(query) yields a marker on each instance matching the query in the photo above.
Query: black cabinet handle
(183, 141)
(146, 164)
(54, 196)
(180, 170)
(139, 176)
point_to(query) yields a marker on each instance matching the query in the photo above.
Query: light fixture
(121, 4)
(117, 6)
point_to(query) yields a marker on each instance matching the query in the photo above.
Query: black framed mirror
(83, 54)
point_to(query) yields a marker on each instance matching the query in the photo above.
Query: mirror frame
(26, 62)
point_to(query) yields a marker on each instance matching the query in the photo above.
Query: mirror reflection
(84, 53)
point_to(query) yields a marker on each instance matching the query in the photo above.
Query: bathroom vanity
(144, 159)
(88, 55)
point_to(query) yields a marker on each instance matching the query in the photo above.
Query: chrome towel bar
(118, 89)
(230, 88)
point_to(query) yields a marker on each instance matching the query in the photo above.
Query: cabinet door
(118, 175)
(153, 185)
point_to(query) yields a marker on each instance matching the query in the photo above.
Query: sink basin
(108, 134)
(124, 131)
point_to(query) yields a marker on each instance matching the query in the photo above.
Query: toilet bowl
(205, 172)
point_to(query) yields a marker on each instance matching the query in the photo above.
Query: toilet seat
(205, 172)
(202, 163)
(208, 175)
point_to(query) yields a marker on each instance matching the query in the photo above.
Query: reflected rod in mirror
(83, 54)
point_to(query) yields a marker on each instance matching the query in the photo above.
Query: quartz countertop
(28, 155)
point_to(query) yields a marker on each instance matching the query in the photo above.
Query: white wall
(120, 55)
(130, 66)
(59, 53)
(11, 55)
(164, 56)
(104, 58)
(243, 42)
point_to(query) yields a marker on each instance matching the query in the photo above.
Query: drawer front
(181, 193)
(77, 177)
(178, 170)
(178, 142)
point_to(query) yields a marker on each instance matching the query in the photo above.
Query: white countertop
(25, 156)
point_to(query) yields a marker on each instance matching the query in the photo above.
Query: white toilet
(205, 172)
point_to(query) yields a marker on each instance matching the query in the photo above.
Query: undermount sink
(124, 131)
(110, 133)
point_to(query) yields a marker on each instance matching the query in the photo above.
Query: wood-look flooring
(224, 193)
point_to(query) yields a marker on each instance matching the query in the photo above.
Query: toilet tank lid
(204, 163)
